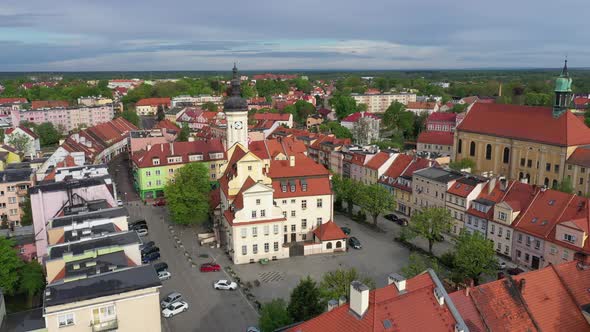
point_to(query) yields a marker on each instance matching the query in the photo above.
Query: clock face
(238, 125)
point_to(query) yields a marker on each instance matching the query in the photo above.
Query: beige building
(378, 103)
(430, 186)
(578, 170)
(121, 300)
(459, 197)
(14, 185)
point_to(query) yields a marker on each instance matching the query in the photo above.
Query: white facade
(195, 100)
(237, 128)
(33, 142)
(378, 103)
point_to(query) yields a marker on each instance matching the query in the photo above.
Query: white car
(174, 309)
(170, 298)
(164, 275)
(119, 202)
(141, 232)
(225, 284)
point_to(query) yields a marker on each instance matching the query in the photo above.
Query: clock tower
(236, 114)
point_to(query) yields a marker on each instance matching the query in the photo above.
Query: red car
(210, 267)
(160, 202)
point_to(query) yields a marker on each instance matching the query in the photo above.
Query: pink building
(49, 200)
(14, 184)
(25, 244)
(144, 139)
(66, 118)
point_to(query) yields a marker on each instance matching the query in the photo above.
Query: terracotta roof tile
(36, 104)
(179, 149)
(272, 116)
(378, 160)
(329, 231)
(356, 116)
(442, 116)
(436, 137)
(12, 100)
(153, 102)
(581, 156)
(400, 163)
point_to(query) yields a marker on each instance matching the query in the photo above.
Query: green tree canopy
(184, 133)
(305, 302)
(344, 105)
(274, 315)
(131, 116)
(417, 264)
(335, 128)
(464, 163)
(397, 118)
(31, 279)
(27, 215)
(474, 256)
(48, 134)
(210, 106)
(346, 190)
(566, 186)
(20, 142)
(11, 264)
(303, 109)
(375, 200)
(188, 195)
(429, 224)
(335, 284)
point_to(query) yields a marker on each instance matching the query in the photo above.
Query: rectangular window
(499, 246)
(319, 203)
(276, 246)
(244, 232)
(569, 238)
(11, 200)
(253, 213)
(262, 213)
(293, 213)
(506, 249)
(502, 216)
(529, 163)
(492, 229)
(518, 253)
(500, 231)
(293, 201)
(526, 257)
(519, 238)
(275, 229)
(582, 170)
(548, 167)
(212, 166)
(293, 228)
(158, 182)
(319, 221)
(266, 229)
(65, 320)
(522, 161)
(170, 170)
(285, 229)
(254, 231)
(284, 201)
(157, 172)
(257, 201)
(303, 204)
(556, 168)
(147, 173)
(284, 214)
(528, 241)
(565, 254)
(254, 249)
(507, 234)
(266, 247)
(581, 180)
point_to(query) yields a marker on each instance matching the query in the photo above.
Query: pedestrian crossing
(271, 276)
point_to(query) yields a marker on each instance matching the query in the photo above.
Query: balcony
(109, 325)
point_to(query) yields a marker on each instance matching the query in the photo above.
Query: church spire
(563, 92)
(564, 72)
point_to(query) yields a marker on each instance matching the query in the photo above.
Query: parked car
(170, 298)
(225, 284)
(501, 265)
(159, 267)
(160, 202)
(439, 238)
(149, 250)
(391, 217)
(174, 309)
(252, 329)
(354, 242)
(154, 256)
(141, 231)
(514, 271)
(402, 222)
(345, 230)
(164, 275)
(137, 223)
(210, 267)
(119, 202)
(138, 226)
(146, 245)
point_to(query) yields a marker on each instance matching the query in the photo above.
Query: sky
(121, 35)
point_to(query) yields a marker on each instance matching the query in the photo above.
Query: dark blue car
(154, 256)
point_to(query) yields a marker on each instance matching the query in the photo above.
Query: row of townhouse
(94, 273)
(65, 118)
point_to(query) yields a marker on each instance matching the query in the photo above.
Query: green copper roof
(564, 82)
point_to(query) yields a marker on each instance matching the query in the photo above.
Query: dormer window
(284, 187)
(195, 157)
(303, 185)
(292, 185)
(156, 161)
(569, 238)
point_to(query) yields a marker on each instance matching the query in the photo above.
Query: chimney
(503, 183)
(332, 304)
(359, 298)
(398, 280)
(491, 185)
(583, 261)
(521, 284)
(438, 294)
(148, 147)
(469, 287)
(172, 149)
(292, 161)
(342, 300)
(191, 138)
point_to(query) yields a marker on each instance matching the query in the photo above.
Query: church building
(527, 143)
(273, 201)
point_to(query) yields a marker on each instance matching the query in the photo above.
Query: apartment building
(14, 185)
(198, 100)
(459, 197)
(94, 101)
(149, 106)
(153, 169)
(377, 166)
(403, 188)
(430, 186)
(378, 103)
(65, 118)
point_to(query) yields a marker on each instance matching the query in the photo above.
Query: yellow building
(8, 155)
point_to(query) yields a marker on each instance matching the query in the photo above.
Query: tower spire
(564, 72)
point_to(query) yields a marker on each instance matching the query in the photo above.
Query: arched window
(555, 184)
(338, 244)
(506, 156)
(459, 146)
(528, 178)
(520, 176)
(546, 183)
(489, 152)
(329, 245)
(472, 149)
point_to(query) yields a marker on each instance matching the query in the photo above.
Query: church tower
(563, 92)
(236, 114)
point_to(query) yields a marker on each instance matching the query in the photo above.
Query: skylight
(534, 220)
(551, 202)
(387, 324)
(544, 222)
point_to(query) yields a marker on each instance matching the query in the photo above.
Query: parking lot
(209, 309)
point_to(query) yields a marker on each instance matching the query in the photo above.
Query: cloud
(270, 34)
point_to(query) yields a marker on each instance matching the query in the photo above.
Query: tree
(247, 91)
(462, 164)
(187, 195)
(11, 264)
(160, 115)
(27, 215)
(346, 190)
(210, 106)
(305, 302)
(397, 118)
(20, 142)
(184, 133)
(337, 129)
(474, 256)
(344, 105)
(418, 264)
(566, 186)
(335, 284)
(274, 315)
(31, 279)
(429, 224)
(458, 108)
(375, 200)
(131, 116)
(48, 135)
(303, 85)
(303, 109)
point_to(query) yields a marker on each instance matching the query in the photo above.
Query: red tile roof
(400, 163)
(420, 105)
(580, 157)
(179, 149)
(304, 166)
(25, 129)
(272, 116)
(442, 116)
(507, 121)
(436, 137)
(315, 186)
(378, 160)
(36, 104)
(460, 188)
(581, 101)
(12, 100)
(415, 310)
(329, 231)
(468, 311)
(356, 116)
(544, 212)
(167, 124)
(153, 102)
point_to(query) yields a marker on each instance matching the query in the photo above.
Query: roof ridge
(567, 289)
(527, 209)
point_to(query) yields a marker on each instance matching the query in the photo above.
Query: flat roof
(24, 321)
(105, 213)
(105, 284)
(77, 248)
(96, 265)
(438, 174)
(16, 175)
(93, 231)
(69, 184)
